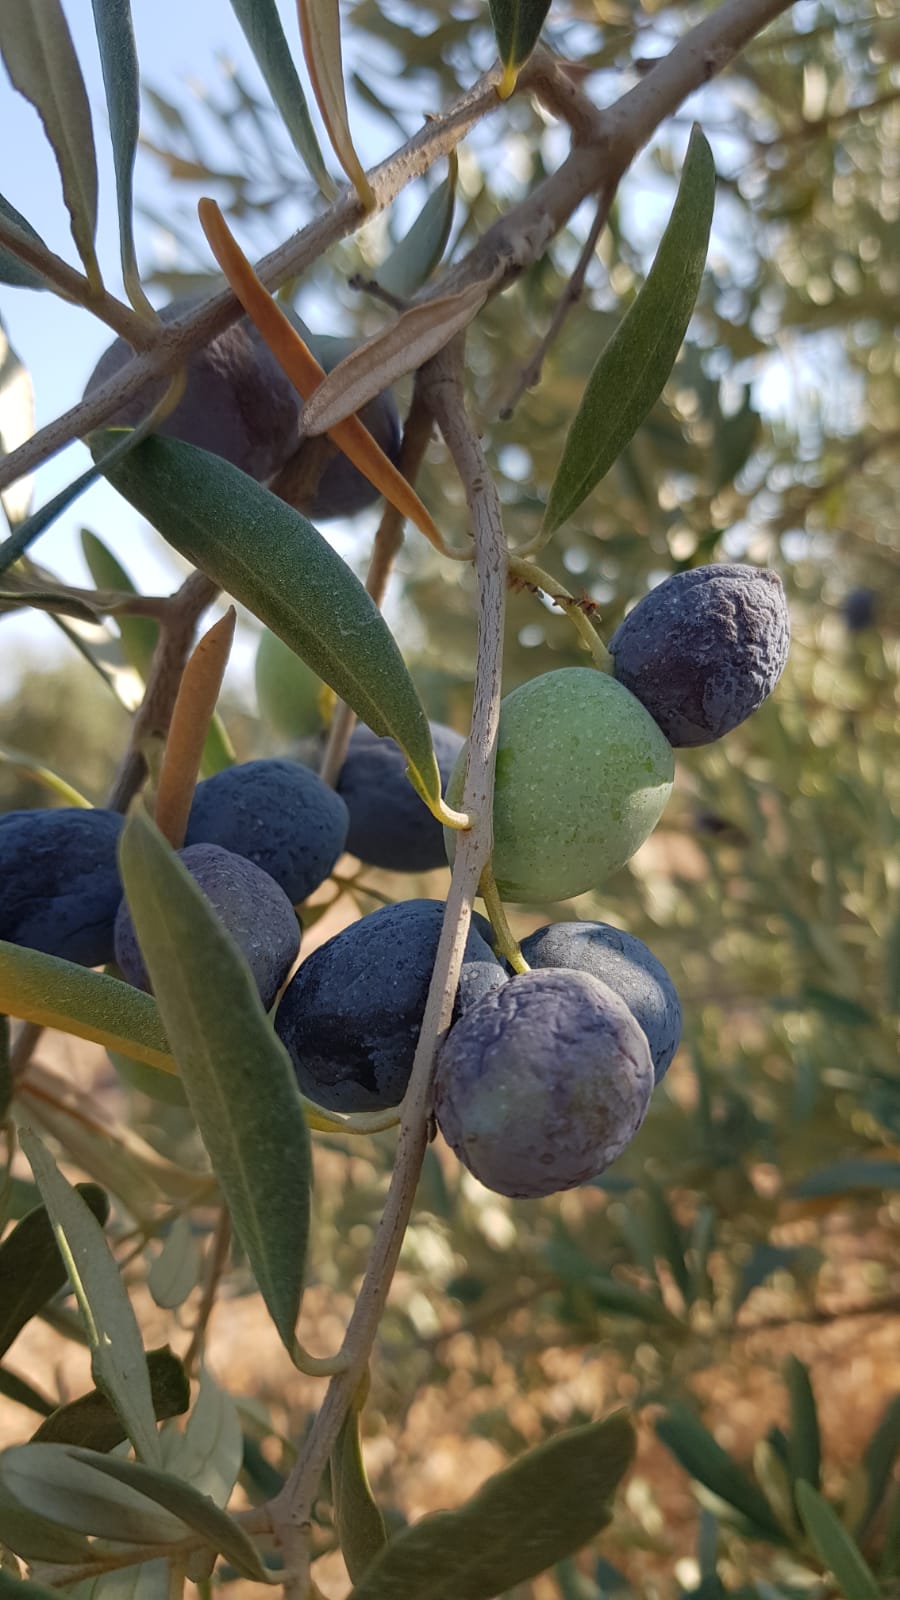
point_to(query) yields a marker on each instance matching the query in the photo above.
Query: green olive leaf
(544, 1507)
(834, 1546)
(517, 26)
(59, 994)
(412, 261)
(633, 367)
(24, 1589)
(265, 36)
(698, 1452)
(35, 1537)
(60, 1483)
(276, 563)
(32, 1270)
(24, 1394)
(12, 269)
(359, 1523)
(176, 1270)
(804, 1442)
(40, 58)
(118, 1359)
(138, 634)
(90, 1421)
(209, 1452)
(119, 64)
(236, 1074)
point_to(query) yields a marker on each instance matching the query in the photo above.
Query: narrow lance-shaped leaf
(32, 1270)
(412, 261)
(138, 634)
(59, 994)
(176, 1270)
(404, 345)
(804, 1443)
(666, 1236)
(700, 1455)
(544, 1507)
(90, 1421)
(59, 1483)
(276, 563)
(119, 63)
(265, 36)
(517, 25)
(834, 1546)
(320, 30)
(41, 61)
(359, 1523)
(209, 1452)
(24, 1394)
(165, 1497)
(16, 424)
(878, 1461)
(236, 1073)
(118, 1360)
(633, 368)
(35, 1538)
(12, 268)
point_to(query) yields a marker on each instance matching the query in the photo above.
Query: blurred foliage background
(755, 1218)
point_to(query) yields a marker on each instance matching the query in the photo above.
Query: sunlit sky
(179, 43)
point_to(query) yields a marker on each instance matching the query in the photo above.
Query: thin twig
(531, 373)
(442, 387)
(73, 285)
(215, 1266)
(539, 580)
(176, 635)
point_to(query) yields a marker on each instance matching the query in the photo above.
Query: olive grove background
(753, 1224)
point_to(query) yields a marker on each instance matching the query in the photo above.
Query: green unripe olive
(287, 690)
(583, 774)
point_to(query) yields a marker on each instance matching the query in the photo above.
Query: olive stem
(152, 719)
(442, 387)
(215, 1266)
(138, 328)
(536, 578)
(507, 943)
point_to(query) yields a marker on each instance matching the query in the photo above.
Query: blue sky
(178, 42)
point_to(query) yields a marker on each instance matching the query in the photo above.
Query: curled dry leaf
(320, 31)
(413, 339)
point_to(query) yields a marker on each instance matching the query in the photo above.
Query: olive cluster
(545, 1075)
(543, 1082)
(261, 837)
